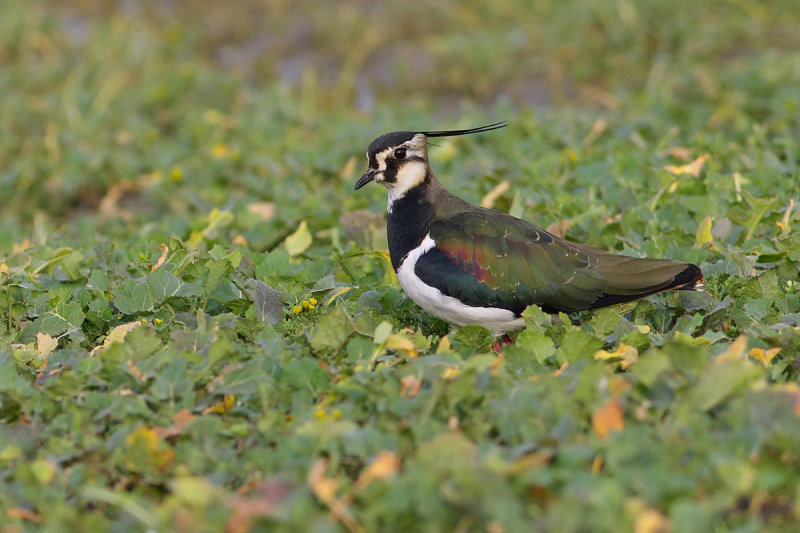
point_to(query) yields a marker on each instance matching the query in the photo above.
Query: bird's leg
(505, 340)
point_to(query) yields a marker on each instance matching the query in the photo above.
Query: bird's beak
(368, 176)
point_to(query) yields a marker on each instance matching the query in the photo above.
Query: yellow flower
(297, 309)
(159, 321)
(176, 174)
(320, 414)
(220, 151)
(312, 301)
(305, 304)
(336, 414)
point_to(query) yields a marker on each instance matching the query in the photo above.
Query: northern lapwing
(471, 265)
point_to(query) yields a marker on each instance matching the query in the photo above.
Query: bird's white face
(399, 167)
(402, 167)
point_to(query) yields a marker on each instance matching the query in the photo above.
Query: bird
(470, 265)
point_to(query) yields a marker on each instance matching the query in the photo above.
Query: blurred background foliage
(101, 93)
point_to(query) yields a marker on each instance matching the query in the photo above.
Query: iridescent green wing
(483, 255)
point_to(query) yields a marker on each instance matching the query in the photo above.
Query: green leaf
(536, 344)
(472, 339)
(267, 302)
(133, 297)
(718, 381)
(577, 345)
(382, 332)
(64, 317)
(536, 318)
(163, 284)
(332, 330)
(605, 319)
(650, 365)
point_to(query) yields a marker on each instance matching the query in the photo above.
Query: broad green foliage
(200, 328)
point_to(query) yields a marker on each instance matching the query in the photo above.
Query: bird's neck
(409, 219)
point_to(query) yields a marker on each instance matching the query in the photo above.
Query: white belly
(446, 307)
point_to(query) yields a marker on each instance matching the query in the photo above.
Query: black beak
(368, 176)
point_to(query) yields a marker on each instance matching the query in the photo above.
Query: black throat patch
(408, 223)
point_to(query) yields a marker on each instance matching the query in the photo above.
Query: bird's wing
(485, 257)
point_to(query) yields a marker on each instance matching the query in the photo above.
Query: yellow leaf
(560, 370)
(324, 488)
(608, 418)
(625, 353)
(195, 491)
(497, 364)
(161, 260)
(598, 128)
(450, 372)
(10, 452)
(764, 357)
(444, 344)
(499, 190)
(495, 526)
(45, 344)
(116, 335)
(134, 370)
(650, 521)
(678, 152)
(335, 293)
(597, 464)
(222, 407)
(43, 470)
(146, 443)
(385, 465)
(736, 350)
(348, 169)
(703, 235)
(144, 437)
(21, 247)
(4, 269)
(692, 168)
(784, 224)
(264, 210)
(216, 220)
(299, 241)
(796, 407)
(530, 461)
(400, 343)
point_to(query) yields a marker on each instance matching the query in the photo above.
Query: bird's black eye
(400, 153)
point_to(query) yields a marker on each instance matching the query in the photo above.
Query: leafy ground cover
(200, 330)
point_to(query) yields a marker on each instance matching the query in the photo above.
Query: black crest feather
(453, 133)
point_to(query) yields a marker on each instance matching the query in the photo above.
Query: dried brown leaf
(608, 418)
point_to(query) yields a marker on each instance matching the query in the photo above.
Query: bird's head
(399, 160)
